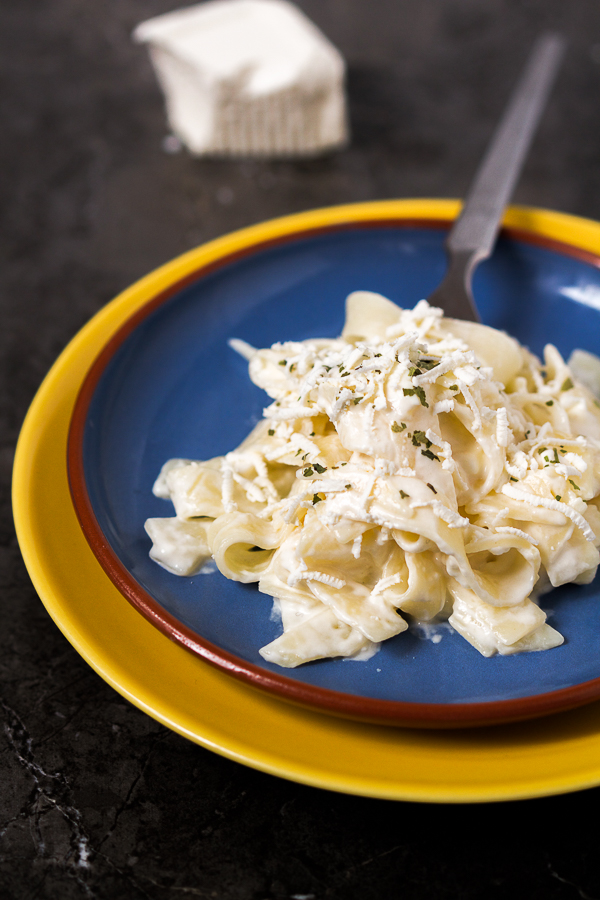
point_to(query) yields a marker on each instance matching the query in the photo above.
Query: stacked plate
(152, 377)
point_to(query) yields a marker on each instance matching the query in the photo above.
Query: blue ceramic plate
(168, 385)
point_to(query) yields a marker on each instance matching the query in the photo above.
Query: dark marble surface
(97, 799)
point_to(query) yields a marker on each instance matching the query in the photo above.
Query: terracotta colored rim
(366, 709)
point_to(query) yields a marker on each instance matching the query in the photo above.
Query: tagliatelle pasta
(415, 469)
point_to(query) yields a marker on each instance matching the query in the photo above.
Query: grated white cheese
(451, 518)
(573, 459)
(450, 362)
(566, 471)
(502, 427)
(324, 578)
(251, 488)
(294, 412)
(508, 529)
(471, 403)
(357, 546)
(384, 583)
(547, 503)
(227, 487)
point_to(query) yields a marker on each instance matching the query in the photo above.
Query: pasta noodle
(415, 469)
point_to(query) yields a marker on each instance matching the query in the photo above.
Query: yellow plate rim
(367, 756)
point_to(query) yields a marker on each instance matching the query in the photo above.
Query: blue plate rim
(346, 705)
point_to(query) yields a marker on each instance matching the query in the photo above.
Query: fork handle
(477, 226)
(473, 235)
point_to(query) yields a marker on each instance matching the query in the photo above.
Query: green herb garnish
(416, 392)
(553, 461)
(429, 363)
(419, 437)
(567, 385)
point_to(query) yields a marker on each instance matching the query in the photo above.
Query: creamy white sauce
(430, 631)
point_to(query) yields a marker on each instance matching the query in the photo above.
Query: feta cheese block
(248, 78)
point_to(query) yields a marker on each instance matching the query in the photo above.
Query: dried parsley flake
(416, 392)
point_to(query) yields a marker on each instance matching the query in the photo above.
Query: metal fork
(473, 235)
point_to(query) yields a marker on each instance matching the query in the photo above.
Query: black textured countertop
(98, 800)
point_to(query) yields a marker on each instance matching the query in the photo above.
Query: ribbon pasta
(415, 469)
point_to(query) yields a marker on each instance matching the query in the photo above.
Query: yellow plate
(546, 756)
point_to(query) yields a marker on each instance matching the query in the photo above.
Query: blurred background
(94, 193)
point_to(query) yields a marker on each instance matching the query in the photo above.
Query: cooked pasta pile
(416, 469)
